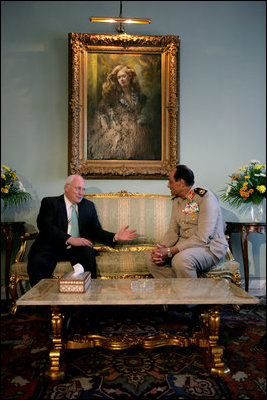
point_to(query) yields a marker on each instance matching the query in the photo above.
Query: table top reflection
(140, 292)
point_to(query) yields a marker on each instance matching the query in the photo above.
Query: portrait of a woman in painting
(122, 125)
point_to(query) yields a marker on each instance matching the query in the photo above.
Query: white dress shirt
(69, 211)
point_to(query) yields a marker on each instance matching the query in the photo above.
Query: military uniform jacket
(196, 221)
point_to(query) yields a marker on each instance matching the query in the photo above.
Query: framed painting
(123, 105)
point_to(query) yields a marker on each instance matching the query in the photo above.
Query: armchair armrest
(24, 240)
(229, 256)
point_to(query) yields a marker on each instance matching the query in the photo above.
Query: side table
(8, 229)
(244, 228)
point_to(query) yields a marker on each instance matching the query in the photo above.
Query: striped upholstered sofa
(149, 214)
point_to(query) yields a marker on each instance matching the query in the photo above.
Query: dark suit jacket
(53, 224)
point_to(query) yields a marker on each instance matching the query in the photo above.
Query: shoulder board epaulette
(200, 192)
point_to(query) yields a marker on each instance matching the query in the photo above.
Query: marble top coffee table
(210, 293)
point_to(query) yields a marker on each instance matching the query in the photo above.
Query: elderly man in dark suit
(68, 225)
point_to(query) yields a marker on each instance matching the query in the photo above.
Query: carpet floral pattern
(162, 373)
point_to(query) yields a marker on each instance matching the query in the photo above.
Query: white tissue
(78, 269)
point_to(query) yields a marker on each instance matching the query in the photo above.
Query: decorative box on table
(74, 283)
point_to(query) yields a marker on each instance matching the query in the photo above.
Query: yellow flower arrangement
(12, 190)
(247, 185)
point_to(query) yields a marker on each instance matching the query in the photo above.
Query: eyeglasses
(78, 188)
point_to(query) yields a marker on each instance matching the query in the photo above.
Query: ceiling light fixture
(120, 28)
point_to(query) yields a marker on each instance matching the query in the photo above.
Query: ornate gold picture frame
(112, 135)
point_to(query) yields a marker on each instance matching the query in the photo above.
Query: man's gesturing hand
(124, 234)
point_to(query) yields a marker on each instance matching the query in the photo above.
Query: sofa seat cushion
(108, 263)
(20, 268)
(121, 263)
(226, 266)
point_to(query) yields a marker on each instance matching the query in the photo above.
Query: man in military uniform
(195, 240)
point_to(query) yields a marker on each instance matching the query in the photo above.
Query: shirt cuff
(67, 244)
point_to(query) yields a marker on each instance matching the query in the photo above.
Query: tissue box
(71, 283)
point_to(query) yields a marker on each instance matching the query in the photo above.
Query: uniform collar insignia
(201, 192)
(190, 195)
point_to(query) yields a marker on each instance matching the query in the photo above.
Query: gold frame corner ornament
(81, 44)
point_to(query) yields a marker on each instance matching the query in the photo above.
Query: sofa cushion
(122, 263)
(20, 268)
(223, 266)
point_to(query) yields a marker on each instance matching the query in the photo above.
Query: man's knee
(83, 254)
(184, 265)
(182, 258)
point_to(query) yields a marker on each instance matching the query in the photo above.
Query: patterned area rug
(163, 373)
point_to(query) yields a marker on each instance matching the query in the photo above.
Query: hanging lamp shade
(120, 20)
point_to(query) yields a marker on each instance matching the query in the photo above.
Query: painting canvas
(121, 128)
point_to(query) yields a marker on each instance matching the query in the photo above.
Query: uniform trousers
(185, 264)
(43, 258)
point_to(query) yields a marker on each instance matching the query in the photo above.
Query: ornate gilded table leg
(206, 338)
(211, 324)
(56, 370)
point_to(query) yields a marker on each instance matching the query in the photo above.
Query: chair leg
(236, 279)
(13, 280)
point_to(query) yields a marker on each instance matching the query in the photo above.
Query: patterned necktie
(74, 222)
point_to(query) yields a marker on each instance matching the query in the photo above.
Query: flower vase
(257, 212)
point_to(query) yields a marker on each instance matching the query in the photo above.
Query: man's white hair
(70, 179)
